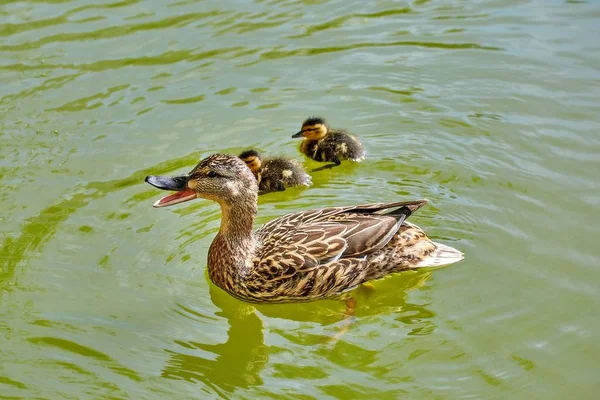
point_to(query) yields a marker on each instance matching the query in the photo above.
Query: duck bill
(297, 135)
(177, 183)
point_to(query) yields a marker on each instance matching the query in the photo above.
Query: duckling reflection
(321, 143)
(275, 173)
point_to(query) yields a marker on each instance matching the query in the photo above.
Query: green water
(489, 109)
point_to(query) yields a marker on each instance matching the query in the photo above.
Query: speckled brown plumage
(275, 173)
(307, 255)
(321, 143)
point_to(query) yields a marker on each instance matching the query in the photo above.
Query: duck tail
(442, 255)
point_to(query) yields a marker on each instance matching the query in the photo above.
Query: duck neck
(237, 220)
(230, 254)
(309, 147)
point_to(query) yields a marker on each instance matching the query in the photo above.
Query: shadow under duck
(275, 173)
(304, 256)
(321, 143)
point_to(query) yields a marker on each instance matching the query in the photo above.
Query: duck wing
(309, 240)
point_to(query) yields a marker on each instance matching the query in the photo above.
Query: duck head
(223, 178)
(252, 159)
(313, 128)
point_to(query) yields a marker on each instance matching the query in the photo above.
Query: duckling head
(313, 128)
(252, 159)
(223, 178)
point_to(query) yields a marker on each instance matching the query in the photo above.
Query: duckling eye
(212, 174)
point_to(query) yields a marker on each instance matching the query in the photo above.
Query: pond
(488, 109)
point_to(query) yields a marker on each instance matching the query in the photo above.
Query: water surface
(489, 109)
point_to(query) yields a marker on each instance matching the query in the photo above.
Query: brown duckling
(307, 255)
(275, 173)
(321, 143)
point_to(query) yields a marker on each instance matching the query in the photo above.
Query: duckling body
(324, 144)
(307, 255)
(275, 173)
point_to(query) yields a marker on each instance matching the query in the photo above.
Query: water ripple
(489, 109)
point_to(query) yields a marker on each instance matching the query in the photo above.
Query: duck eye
(212, 174)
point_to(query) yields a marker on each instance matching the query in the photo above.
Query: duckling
(324, 144)
(275, 173)
(307, 255)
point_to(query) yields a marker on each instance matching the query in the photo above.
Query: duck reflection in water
(239, 361)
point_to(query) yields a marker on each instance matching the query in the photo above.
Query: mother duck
(304, 256)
